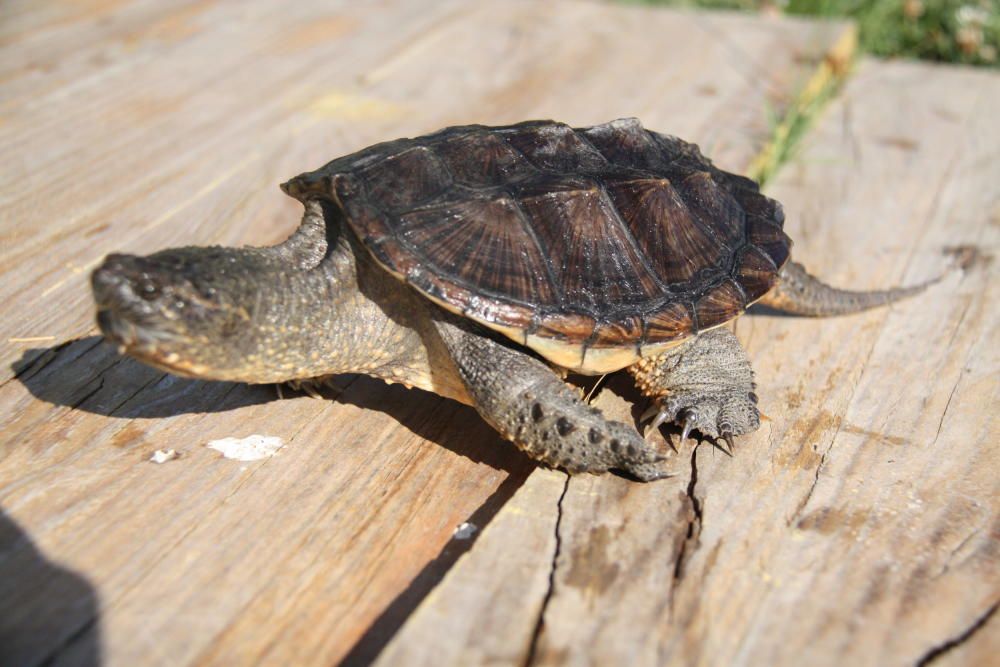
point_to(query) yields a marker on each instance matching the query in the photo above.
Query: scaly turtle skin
(477, 262)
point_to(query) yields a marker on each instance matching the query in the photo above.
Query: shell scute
(494, 161)
(487, 241)
(664, 227)
(406, 179)
(626, 143)
(714, 208)
(610, 334)
(598, 262)
(565, 326)
(756, 273)
(555, 147)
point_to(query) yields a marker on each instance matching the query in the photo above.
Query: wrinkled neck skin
(337, 311)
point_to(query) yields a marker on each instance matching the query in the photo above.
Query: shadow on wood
(74, 373)
(46, 601)
(67, 375)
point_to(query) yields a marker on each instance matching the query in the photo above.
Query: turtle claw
(710, 418)
(659, 414)
(310, 390)
(660, 417)
(688, 425)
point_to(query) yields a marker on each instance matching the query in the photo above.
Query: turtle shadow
(89, 374)
(760, 310)
(47, 612)
(446, 423)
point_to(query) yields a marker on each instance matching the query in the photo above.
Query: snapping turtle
(482, 263)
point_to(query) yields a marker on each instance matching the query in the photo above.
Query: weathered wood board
(861, 524)
(132, 126)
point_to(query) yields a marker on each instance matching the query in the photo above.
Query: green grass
(954, 31)
(787, 130)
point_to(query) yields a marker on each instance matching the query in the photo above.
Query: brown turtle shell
(594, 246)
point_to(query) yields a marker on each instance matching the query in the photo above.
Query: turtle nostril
(105, 281)
(112, 281)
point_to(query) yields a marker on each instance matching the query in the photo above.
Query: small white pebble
(251, 448)
(465, 531)
(164, 455)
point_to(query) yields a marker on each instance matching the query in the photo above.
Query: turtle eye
(147, 289)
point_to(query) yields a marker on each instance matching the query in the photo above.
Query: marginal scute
(511, 319)
(588, 245)
(429, 282)
(671, 322)
(608, 334)
(756, 273)
(721, 304)
(756, 204)
(566, 326)
(769, 237)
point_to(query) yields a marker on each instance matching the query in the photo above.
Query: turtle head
(186, 310)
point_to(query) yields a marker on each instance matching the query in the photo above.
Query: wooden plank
(861, 524)
(132, 137)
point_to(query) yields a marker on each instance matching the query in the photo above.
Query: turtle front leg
(528, 404)
(705, 385)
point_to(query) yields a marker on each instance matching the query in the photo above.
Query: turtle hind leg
(705, 385)
(527, 403)
(800, 293)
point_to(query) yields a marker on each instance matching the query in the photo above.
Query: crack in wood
(958, 640)
(536, 634)
(693, 526)
(958, 547)
(89, 394)
(121, 404)
(812, 487)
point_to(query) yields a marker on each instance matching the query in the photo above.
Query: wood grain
(132, 126)
(861, 524)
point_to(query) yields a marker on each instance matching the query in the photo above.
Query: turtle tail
(799, 293)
